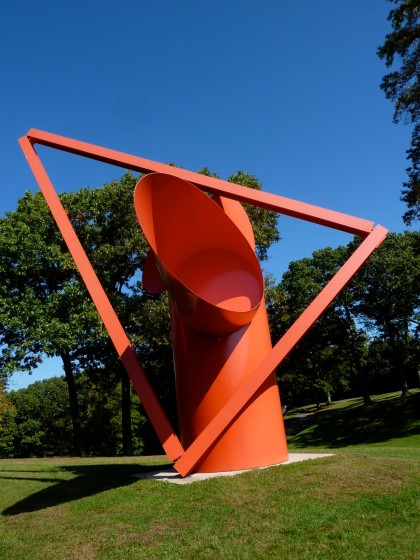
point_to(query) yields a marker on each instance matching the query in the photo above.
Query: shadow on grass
(388, 419)
(89, 480)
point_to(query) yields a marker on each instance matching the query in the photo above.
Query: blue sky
(288, 91)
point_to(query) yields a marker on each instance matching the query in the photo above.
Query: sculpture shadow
(89, 480)
(388, 419)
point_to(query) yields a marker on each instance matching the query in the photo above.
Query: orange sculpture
(202, 252)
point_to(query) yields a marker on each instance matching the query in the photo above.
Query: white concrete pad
(170, 475)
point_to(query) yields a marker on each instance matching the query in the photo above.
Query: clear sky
(286, 90)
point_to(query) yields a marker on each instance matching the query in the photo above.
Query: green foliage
(278, 309)
(387, 290)
(370, 332)
(105, 220)
(155, 349)
(45, 309)
(264, 222)
(102, 419)
(322, 363)
(402, 87)
(371, 329)
(44, 306)
(7, 424)
(388, 287)
(36, 421)
(41, 420)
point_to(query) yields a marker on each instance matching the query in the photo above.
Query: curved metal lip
(248, 254)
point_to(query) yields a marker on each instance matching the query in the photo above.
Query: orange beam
(232, 408)
(164, 430)
(280, 204)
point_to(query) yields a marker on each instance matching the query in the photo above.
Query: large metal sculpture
(202, 252)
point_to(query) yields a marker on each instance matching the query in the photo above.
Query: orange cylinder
(219, 322)
(210, 270)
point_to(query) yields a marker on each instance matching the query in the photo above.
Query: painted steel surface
(207, 265)
(220, 329)
(212, 423)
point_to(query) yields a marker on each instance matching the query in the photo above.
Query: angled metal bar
(188, 459)
(280, 204)
(232, 408)
(154, 410)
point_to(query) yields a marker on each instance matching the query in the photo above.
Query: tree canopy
(366, 341)
(401, 49)
(387, 294)
(369, 335)
(44, 306)
(45, 309)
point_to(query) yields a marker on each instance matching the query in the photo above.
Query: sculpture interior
(202, 252)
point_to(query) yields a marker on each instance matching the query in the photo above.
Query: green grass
(363, 502)
(390, 420)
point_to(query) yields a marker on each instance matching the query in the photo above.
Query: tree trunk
(356, 358)
(398, 358)
(74, 404)
(405, 391)
(364, 383)
(126, 413)
(399, 367)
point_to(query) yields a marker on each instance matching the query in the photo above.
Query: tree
(42, 420)
(44, 307)
(46, 311)
(100, 403)
(106, 223)
(36, 421)
(264, 222)
(402, 86)
(7, 424)
(387, 290)
(321, 363)
(332, 357)
(370, 331)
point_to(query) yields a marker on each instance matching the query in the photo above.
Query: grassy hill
(390, 421)
(363, 502)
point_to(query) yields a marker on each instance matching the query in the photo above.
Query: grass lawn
(363, 502)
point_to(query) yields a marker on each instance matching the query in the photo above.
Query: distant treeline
(367, 340)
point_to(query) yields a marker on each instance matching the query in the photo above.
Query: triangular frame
(187, 459)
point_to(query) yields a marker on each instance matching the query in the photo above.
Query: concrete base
(173, 477)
